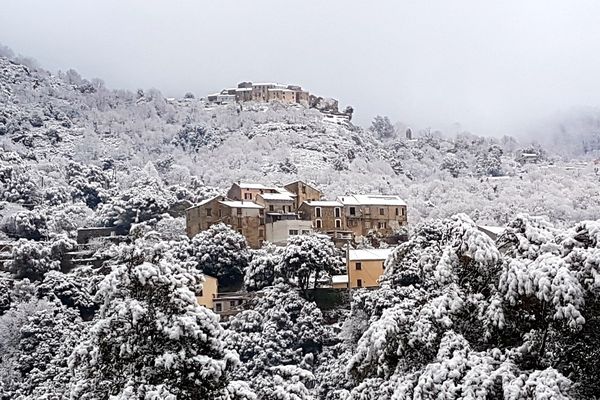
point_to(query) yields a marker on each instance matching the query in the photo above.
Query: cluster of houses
(272, 214)
(269, 213)
(261, 92)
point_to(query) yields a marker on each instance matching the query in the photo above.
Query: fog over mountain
(489, 68)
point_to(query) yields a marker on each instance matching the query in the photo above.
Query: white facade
(278, 232)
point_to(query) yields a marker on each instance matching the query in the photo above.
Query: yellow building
(209, 292)
(365, 266)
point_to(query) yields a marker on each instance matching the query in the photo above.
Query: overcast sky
(494, 67)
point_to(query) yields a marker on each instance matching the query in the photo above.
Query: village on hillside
(281, 93)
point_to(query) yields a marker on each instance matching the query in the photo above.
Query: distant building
(525, 157)
(364, 267)
(262, 92)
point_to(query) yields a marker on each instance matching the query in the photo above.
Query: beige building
(303, 192)
(210, 290)
(365, 266)
(385, 214)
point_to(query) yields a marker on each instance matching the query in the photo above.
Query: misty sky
(494, 67)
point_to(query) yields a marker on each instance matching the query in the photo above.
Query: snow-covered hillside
(48, 122)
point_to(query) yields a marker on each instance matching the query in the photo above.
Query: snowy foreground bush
(457, 316)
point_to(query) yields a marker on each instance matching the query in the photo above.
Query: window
(261, 211)
(352, 210)
(247, 196)
(218, 307)
(318, 224)
(358, 266)
(338, 223)
(397, 211)
(403, 211)
(382, 211)
(337, 212)
(232, 303)
(260, 233)
(368, 224)
(209, 212)
(239, 211)
(271, 207)
(305, 232)
(318, 212)
(293, 232)
(359, 283)
(304, 189)
(240, 231)
(381, 225)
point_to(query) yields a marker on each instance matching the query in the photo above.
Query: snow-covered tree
(278, 339)
(32, 260)
(308, 258)
(34, 362)
(152, 339)
(261, 271)
(382, 127)
(223, 253)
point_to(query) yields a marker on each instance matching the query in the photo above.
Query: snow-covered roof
(203, 202)
(285, 191)
(369, 254)
(249, 185)
(339, 279)
(276, 196)
(240, 204)
(280, 90)
(243, 89)
(496, 230)
(264, 84)
(372, 200)
(324, 203)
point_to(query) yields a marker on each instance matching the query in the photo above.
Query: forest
(457, 314)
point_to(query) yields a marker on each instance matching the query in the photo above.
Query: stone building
(281, 95)
(262, 92)
(326, 215)
(384, 214)
(303, 192)
(248, 191)
(277, 202)
(245, 217)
